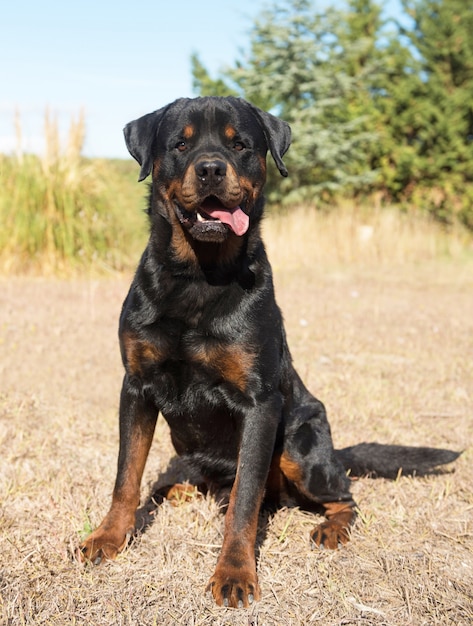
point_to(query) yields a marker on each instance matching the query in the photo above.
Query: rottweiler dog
(203, 343)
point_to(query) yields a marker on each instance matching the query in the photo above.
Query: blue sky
(116, 60)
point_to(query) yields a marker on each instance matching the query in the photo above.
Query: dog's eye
(239, 146)
(181, 146)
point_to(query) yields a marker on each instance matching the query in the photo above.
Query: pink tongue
(235, 218)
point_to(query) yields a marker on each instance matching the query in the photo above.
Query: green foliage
(374, 106)
(287, 71)
(442, 35)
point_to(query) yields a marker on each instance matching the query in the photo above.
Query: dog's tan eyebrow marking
(230, 132)
(188, 131)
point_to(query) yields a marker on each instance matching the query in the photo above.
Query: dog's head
(208, 160)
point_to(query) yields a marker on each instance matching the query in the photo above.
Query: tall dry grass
(361, 236)
(58, 210)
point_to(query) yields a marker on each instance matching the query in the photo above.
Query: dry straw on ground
(386, 345)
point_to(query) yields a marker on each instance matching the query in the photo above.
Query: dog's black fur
(203, 342)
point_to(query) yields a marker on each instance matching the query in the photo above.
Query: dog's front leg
(234, 582)
(137, 423)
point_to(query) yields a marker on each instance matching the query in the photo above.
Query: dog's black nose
(211, 171)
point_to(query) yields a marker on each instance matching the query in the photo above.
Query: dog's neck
(216, 263)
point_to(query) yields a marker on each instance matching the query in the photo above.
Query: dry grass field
(381, 329)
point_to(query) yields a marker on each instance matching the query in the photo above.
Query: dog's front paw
(101, 546)
(110, 538)
(234, 587)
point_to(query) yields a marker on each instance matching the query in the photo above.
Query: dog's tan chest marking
(231, 363)
(140, 354)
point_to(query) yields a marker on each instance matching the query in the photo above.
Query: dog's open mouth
(213, 214)
(236, 219)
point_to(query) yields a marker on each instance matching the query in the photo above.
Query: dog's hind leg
(313, 475)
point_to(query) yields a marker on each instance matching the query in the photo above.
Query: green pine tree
(430, 110)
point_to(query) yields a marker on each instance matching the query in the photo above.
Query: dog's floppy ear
(140, 137)
(278, 136)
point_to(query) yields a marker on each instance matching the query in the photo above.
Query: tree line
(377, 106)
